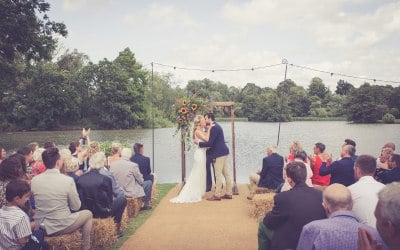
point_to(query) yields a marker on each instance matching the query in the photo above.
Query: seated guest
(340, 229)
(70, 165)
(364, 191)
(49, 144)
(3, 154)
(387, 215)
(17, 232)
(315, 163)
(384, 158)
(341, 171)
(55, 197)
(270, 175)
(115, 153)
(393, 174)
(302, 157)
(37, 165)
(128, 176)
(281, 227)
(143, 162)
(353, 151)
(10, 169)
(75, 148)
(294, 148)
(96, 192)
(27, 153)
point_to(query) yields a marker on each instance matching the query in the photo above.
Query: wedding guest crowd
(50, 192)
(355, 210)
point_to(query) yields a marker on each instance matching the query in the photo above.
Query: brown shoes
(226, 196)
(214, 198)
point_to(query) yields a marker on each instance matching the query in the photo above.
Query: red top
(316, 178)
(37, 168)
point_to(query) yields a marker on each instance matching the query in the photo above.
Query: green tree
(120, 93)
(343, 87)
(317, 88)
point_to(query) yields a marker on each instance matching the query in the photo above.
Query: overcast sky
(351, 37)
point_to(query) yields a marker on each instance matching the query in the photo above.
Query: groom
(219, 152)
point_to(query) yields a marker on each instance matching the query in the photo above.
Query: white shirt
(14, 225)
(365, 197)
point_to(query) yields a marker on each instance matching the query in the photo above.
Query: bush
(388, 118)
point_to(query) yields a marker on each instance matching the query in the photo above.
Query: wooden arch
(230, 106)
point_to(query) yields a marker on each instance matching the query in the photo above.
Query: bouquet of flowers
(186, 111)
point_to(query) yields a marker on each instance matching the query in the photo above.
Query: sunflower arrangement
(186, 110)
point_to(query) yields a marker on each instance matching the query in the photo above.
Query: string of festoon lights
(284, 62)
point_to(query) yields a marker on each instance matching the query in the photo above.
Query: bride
(195, 186)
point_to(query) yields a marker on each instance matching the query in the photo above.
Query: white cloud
(73, 5)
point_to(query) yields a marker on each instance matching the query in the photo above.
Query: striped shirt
(14, 225)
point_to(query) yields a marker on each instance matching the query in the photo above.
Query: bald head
(337, 197)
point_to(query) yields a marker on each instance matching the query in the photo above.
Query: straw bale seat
(154, 193)
(133, 206)
(261, 204)
(70, 241)
(103, 234)
(125, 219)
(261, 190)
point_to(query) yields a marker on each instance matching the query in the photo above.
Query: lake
(252, 138)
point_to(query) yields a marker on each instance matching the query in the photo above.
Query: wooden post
(234, 188)
(183, 157)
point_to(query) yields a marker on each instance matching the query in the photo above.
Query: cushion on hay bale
(124, 220)
(261, 190)
(261, 204)
(133, 206)
(103, 234)
(70, 241)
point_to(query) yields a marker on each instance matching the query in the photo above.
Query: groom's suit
(218, 151)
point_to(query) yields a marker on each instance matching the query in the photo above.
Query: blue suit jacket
(216, 143)
(271, 173)
(144, 166)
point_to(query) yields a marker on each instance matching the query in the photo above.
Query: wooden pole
(234, 188)
(183, 157)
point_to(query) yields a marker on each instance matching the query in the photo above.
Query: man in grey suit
(128, 176)
(55, 197)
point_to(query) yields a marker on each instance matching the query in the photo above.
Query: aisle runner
(219, 225)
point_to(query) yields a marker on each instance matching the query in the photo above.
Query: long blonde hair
(196, 124)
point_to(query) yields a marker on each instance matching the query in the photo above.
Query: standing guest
(96, 192)
(49, 144)
(17, 232)
(281, 227)
(128, 176)
(3, 154)
(341, 171)
(55, 197)
(364, 191)
(270, 175)
(387, 215)
(393, 174)
(143, 162)
(37, 166)
(340, 229)
(115, 153)
(70, 165)
(315, 162)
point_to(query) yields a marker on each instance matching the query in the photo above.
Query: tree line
(40, 92)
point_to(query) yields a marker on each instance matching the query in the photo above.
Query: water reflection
(251, 140)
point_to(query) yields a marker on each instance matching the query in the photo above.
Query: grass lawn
(135, 223)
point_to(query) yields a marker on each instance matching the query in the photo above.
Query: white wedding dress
(195, 186)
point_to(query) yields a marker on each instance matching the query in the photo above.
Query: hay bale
(261, 190)
(133, 206)
(261, 204)
(103, 234)
(154, 193)
(124, 220)
(70, 241)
